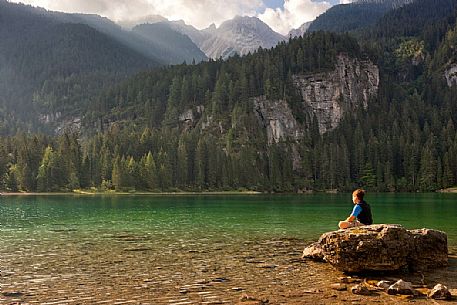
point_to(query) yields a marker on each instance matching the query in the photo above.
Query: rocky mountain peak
(239, 35)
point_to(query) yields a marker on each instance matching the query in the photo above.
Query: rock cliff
(381, 248)
(330, 95)
(451, 75)
(277, 118)
(327, 96)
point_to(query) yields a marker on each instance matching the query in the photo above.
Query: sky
(280, 15)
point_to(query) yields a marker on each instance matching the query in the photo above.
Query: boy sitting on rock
(361, 213)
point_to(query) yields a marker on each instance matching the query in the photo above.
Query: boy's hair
(359, 193)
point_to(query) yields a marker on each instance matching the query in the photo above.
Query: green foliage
(411, 49)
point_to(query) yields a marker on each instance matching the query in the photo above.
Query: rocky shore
(135, 268)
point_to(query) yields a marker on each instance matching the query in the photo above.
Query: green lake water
(181, 249)
(29, 219)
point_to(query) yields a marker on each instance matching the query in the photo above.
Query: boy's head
(357, 195)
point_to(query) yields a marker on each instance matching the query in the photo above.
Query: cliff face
(277, 118)
(331, 95)
(451, 75)
(328, 96)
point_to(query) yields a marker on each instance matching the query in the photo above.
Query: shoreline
(448, 190)
(187, 193)
(90, 193)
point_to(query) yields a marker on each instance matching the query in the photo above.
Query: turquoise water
(181, 249)
(235, 216)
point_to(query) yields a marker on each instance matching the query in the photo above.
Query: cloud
(293, 15)
(200, 13)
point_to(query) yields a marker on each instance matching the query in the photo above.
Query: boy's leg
(347, 224)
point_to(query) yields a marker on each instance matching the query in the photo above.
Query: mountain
(150, 19)
(177, 46)
(240, 35)
(354, 16)
(301, 30)
(422, 18)
(165, 48)
(48, 67)
(197, 36)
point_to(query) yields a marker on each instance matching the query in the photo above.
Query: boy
(361, 214)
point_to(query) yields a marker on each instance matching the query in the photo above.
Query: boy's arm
(355, 212)
(350, 218)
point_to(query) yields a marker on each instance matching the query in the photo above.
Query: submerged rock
(382, 247)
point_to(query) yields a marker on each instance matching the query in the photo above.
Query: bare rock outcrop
(277, 118)
(382, 247)
(332, 94)
(451, 75)
(326, 96)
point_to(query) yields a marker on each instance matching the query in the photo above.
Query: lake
(157, 248)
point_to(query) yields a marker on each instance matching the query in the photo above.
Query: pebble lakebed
(64, 266)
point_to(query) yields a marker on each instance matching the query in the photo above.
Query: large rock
(381, 247)
(429, 249)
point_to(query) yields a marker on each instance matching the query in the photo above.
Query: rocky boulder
(382, 247)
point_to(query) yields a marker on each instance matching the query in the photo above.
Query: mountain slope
(47, 66)
(354, 16)
(301, 30)
(197, 36)
(179, 47)
(417, 18)
(165, 48)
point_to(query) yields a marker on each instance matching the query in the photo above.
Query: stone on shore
(382, 247)
(383, 285)
(360, 290)
(401, 287)
(440, 292)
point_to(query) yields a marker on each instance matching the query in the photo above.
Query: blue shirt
(356, 210)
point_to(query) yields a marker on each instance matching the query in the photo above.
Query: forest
(133, 137)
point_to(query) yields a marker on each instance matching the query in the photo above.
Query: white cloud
(200, 13)
(293, 15)
(346, 1)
